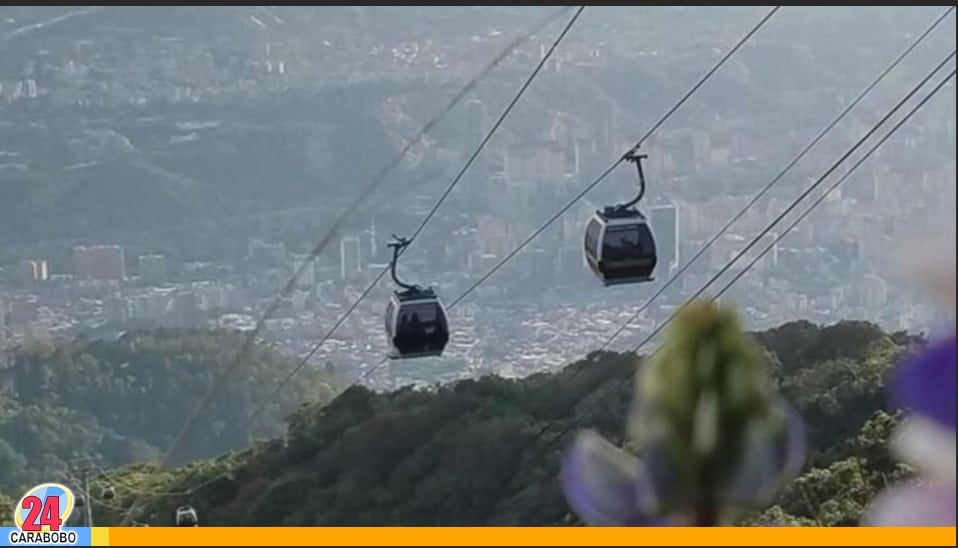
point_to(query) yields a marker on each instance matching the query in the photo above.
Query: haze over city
(173, 167)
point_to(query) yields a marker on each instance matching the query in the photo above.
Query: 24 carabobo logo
(46, 507)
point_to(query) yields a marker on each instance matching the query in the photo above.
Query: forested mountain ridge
(485, 452)
(122, 401)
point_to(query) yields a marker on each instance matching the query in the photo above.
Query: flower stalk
(712, 438)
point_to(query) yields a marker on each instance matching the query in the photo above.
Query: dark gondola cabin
(620, 246)
(108, 493)
(186, 517)
(416, 324)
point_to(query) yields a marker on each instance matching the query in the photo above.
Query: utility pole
(86, 494)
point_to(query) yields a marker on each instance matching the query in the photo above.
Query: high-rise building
(32, 270)
(3, 320)
(99, 262)
(350, 256)
(771, 257)
(664, 219)
(152, 269)
(373, 247)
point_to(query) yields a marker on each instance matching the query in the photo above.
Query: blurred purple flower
(924, 387)
(925, 384)
(607, 486)
(712, 437)
(914, 506)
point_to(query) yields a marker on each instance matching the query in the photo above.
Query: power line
(422, 225)
(778, 177)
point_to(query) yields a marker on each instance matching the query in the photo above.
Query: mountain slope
(468, 454)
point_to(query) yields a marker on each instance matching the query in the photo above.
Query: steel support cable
(367, 190)
(819, 199)
(578, 197)
(661, 121)
(318, 249)
(857, 145)
(844, 177)
(422, 225)
(778, 177)
(795, 203)
(569, 205)
(834, 186)
(612, 168)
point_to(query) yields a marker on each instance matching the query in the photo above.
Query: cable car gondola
(108, 493)
(416, 321)
(619, 244)
(186, 517)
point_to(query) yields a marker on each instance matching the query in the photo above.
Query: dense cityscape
(284, 267)
(544, 308)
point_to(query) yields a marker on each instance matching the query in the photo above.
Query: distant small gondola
(108, 493)
(619, 244)
(186, 517)
(416, 321)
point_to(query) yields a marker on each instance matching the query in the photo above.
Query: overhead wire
(844, 157)
(834, 186)
(795, 203)
(322, 244)
(592, 185)
(808, 211)
(598, 180)
(318, 248)
(881, 76)
(804, 194)
(695, 87)
(422, 225)
(612, 168)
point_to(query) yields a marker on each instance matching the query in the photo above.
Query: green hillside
(123, 401)
(469, 454)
